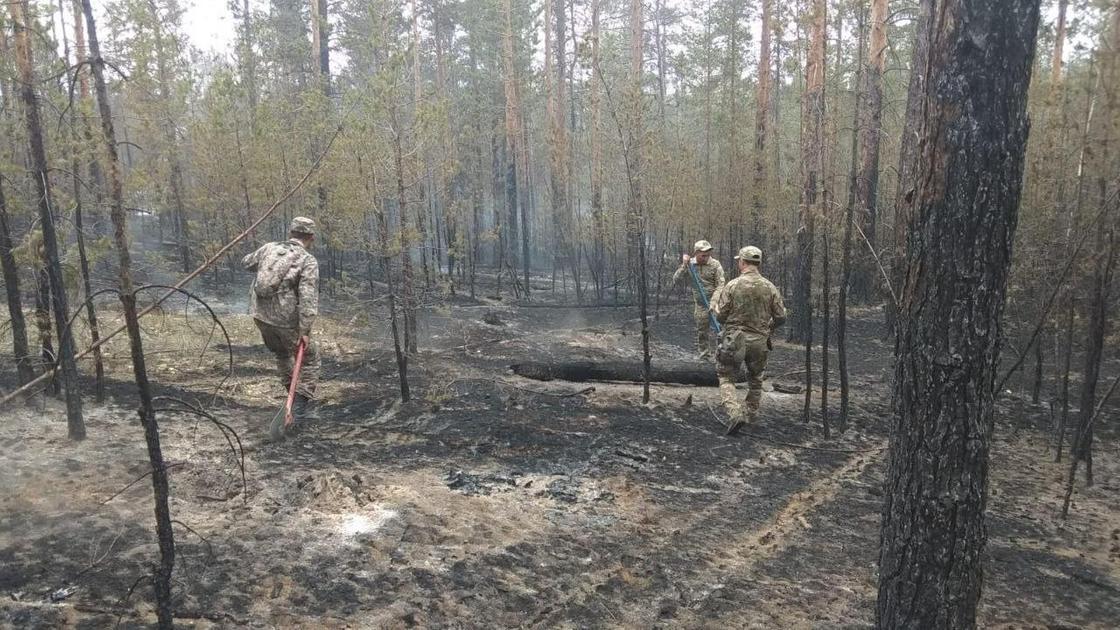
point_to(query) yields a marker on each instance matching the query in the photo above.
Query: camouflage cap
(302, 225)
(702, 246)
(750, 253)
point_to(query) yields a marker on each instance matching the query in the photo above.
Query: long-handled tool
(704, 296)
(284, 418)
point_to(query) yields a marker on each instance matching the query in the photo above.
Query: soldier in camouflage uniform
(712, 279)
(284, 301)
(748, 308)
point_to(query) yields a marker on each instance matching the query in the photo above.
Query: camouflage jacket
(750, 303)
(711, 278)
(285, 290)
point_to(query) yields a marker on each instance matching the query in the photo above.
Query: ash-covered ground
(493, 501)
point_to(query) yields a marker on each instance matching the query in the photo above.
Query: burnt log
(584, 371)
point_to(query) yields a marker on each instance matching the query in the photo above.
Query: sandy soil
(494, 501)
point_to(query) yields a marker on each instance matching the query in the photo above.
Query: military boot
(735, 425)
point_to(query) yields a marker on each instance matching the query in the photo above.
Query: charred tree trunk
(846, 247)
(164, 532)
(812, 146)
(761, 122)
(41, 173)
(410, 342)
(1099, 299)
(182, 222)
(812, 165)
(867, 182)
(634, 173)
(1063, 391)
(598, 248)
(20, 348)
(91, 310)
(387, 269)
(965, 198)
(1100, 162)
(79, 120)
(908, 155)
(47, 354)
(513, 137)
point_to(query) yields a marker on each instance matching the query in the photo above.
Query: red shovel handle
(288, 419)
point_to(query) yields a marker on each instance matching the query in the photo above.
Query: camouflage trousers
(282, 342)
(703, 325)
(736, 349)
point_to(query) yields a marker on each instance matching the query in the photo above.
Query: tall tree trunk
(164, 532)
(20, 348)
(1074, 219)
(1099, 294)
(181, 221)
(526, 191)
(761, 120)
(47, 356)
(849, 220)
(247, 61)
(870, 130)
(513, 132)
(555, 67)
(812, 171)
(598, 250)
(634, 168)
(41, 173)
(79, 120)
(908, 154)
(1059, 47)
(426, 187)
(708, 89)
(965, 198)
(320, 44)
(93, 165)
(1100, 166)
(496, 191)
(382, 236)
(410, 341)
(812, 167)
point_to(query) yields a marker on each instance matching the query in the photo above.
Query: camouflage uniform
(284, 301)
(747, 308)
(712, 279)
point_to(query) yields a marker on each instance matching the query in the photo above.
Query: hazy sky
(209, 25)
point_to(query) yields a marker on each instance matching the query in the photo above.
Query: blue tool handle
(703, 296)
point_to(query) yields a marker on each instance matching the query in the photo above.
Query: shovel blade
(276, 427)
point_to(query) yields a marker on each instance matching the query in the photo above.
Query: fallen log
(584, 371)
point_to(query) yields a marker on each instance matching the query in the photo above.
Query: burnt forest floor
(490, 500)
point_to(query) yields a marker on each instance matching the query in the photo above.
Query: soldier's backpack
(278, 267)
